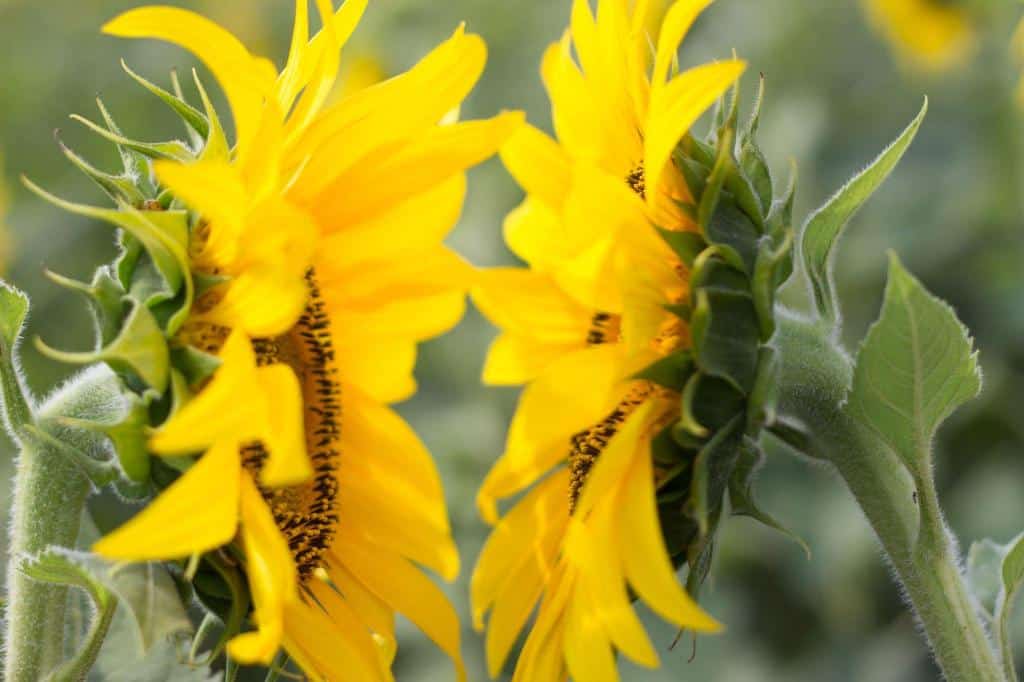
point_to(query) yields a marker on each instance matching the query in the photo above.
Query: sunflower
(930, 34)
(593, 309)
(318, 264)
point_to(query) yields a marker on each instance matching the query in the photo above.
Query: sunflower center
(307, 513)
(604, 328)
(587, 445)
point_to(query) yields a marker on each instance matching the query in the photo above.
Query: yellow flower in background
(327, 221)
(588, 313)
(928, 34)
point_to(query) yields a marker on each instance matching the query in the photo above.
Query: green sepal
(665, 451)
(719, 266)
(695, 174)
(716, 181)
(752, 160)
(106, 298)
(684, 311)
(824, 227)
(216, 146)
(725, 335)
(741, 495)
(688, 427)
(717, 402)
(173, 150)
(118, 187)
(195, 365)
(671, 371)
(772, 268)
(163, 234)
(203, 282)
(731, 227)
(764, 397)
(686, 245)
(191, 116)
(223, 592)
(136, 165)
(139, 349)
(780, 218)
(712, 470)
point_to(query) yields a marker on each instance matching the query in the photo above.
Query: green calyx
(727, 379)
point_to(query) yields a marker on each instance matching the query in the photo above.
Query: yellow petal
(218, 414)
(262, 302)
(421, 222)
(382, 367)
(515, 471)
(351, 629)
(245, 79)
(215, 190)
(196, 513)
(531, 304)
(285, 434)
(272, 578)
(542, 657)
(647, 564)
(372, 188)
(588, 651)
(373, 430)
(520, 539)
(323, 650)
(573, 109)
(375, 614)
(288, 83)
(674, 27)
(515, 359)
(536, 234)
(405, 589)
(677, 107)
(372, 118)
(601, 572)
(538, 164)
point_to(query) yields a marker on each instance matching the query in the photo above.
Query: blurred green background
(836, 97)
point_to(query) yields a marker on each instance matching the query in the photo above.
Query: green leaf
(915, 367)
(58, 566)
(824, 227)
(16, 403)
(146, 590)
(995, 574)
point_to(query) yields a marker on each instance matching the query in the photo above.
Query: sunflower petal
(197, 513)
(285, 434)
(674, 27)
(272, 578)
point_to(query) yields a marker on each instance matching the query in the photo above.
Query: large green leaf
(915, 368)
(824, 227)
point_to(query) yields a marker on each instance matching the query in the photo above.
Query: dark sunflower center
(587, 445)
(307, 513)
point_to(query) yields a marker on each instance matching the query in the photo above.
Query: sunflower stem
(50, 492)
(902, 506)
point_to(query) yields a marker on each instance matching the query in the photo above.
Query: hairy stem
(902, 507)
(49, 495)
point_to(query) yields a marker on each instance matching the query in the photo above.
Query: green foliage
(995, 574)
(825, 226)
(145, 590)
(915, 367)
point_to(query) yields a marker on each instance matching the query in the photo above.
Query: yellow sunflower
(929, 34)
(318, 260)
(592, 309)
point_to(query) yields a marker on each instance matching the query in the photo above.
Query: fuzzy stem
(902, 508)
(49, 495)
(50, 491)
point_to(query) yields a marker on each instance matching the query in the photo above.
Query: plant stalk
(49, 496)
(902, 508)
